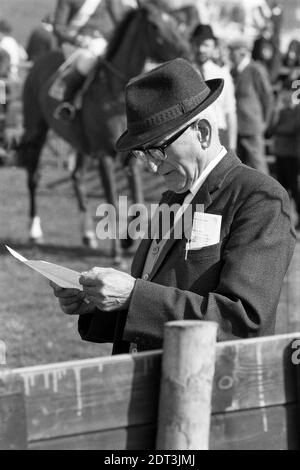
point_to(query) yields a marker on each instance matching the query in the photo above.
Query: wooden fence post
(188, 366)
(13, 432)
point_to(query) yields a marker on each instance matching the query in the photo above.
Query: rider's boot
(66, 110)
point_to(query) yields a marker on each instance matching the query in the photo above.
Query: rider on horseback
(83, 29)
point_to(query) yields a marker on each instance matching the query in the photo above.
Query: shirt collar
(198, 183)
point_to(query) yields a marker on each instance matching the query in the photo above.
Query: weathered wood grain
(288, 311)
(91, 395)
(132, 438)
(273, 428)
(13, 431)
(255, 373)
(188, 366)
(114, 396)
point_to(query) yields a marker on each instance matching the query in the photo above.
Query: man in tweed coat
(254, 99)
(233, 277)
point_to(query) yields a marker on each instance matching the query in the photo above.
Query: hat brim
(129, 141)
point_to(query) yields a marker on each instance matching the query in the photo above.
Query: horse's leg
(29, 154)
(32, 142)
(137, 194)
(107, 175)
(86, 222)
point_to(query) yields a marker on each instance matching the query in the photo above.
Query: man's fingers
(94, 298)
(71, 309)
(65, 293)
(84, 308)
(65, 301)
(93, 276)
(94, 290)
(90, 281)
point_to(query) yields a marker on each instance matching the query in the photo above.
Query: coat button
(145, 277)
(155, 250)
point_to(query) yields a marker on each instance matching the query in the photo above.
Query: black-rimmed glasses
(157, 154)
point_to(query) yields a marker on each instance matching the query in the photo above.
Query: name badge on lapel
(206, 231)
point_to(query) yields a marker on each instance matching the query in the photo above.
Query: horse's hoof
(90, 242)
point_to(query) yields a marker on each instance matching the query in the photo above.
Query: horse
(145, 33)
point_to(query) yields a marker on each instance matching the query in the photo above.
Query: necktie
(176, 198)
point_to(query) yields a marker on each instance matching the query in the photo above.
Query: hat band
(168, 114)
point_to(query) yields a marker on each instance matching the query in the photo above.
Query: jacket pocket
(211, 251)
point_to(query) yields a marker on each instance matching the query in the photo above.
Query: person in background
(285, 128)
(10, 45)
(222, 56)
(292, 60)
(292, 56)
(204, 44)
(83, 29)
(265, 52)
(266, 47)
(41, 40)
(4, 100)
(254, 98)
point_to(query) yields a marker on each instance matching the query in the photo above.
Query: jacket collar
(204, 196)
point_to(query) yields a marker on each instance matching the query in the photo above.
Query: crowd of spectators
(259, 103)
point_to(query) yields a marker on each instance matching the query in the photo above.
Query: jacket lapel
(205, 196)
(143, 248)
(202, 197)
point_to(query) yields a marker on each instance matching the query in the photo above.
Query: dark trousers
(251, 151)
(287, 174)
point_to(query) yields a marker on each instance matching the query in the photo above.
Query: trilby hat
(161, 101)
(202, 32)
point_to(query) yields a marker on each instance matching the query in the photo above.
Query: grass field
(32, 325)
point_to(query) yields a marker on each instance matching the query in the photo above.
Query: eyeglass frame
(160, 148)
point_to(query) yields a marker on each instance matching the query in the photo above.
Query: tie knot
(179, 197)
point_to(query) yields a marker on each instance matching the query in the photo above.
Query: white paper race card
(206, 230)
(63, 277)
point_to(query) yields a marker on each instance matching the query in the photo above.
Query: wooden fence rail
(113, 402)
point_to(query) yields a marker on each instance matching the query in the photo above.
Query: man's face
(183, 165)
(205, 50)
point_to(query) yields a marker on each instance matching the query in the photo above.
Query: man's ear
(204, 133)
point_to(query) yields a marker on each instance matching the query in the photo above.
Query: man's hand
(108, 289)
(71, 301)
